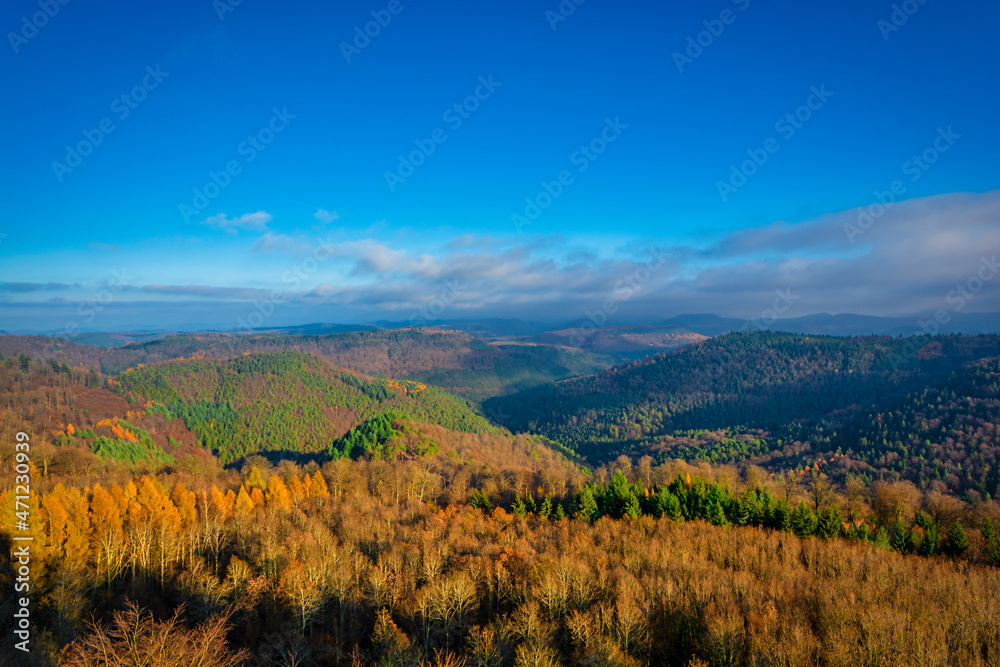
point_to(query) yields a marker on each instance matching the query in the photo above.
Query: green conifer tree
(781, 516)
(929, 544)
(901, 540)
(744, 512)
(715, 514)
(882, 539)
(546, 509)
(803, 521)
(993, 552)
(957, 541)
(989, 531)
(632, 508)
(586, 504)
(519, 508)
(480, 500)
(830, 522)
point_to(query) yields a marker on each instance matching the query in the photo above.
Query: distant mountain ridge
(705, 324)
(844, 324)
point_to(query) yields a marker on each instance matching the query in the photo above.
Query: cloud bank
(914, 256)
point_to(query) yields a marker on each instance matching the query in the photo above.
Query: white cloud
(254, 221)
(207, 291)
(908, 260)
(271, 242)
(326, 217)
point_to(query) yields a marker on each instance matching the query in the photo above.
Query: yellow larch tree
(277, 494)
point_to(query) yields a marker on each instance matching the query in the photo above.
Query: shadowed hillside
(780, 398)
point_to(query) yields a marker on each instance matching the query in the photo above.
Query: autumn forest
(427, 498)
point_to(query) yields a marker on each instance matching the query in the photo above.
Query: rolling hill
(633, 340)
(774, 397)
(454, 360)
(285, 401)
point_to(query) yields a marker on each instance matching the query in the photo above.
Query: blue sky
(219, 77)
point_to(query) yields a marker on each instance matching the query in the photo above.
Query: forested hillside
(284, 401)
(513, 367)
(944, 436)
(453, 360)
(788, 400)
(633, 340)
(287, 403)
(390, 525)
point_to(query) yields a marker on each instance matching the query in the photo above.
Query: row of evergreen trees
(687, 499)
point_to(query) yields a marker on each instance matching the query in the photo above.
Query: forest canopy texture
(753, 499)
